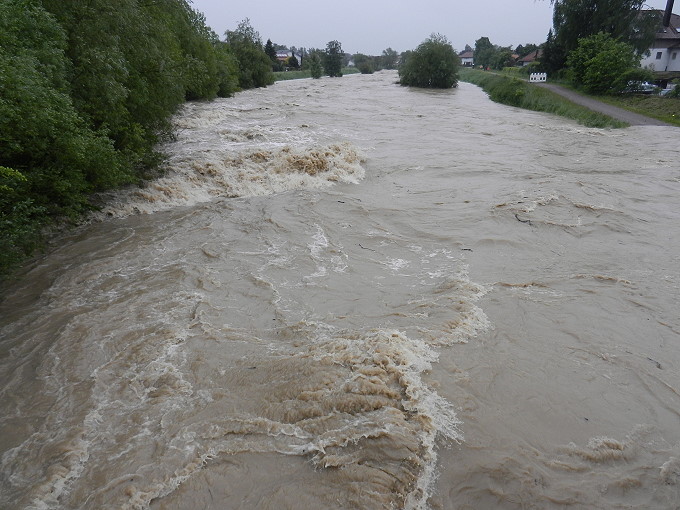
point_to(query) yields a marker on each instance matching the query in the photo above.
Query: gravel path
(634, 119)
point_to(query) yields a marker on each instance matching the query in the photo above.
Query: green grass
(666, 109)
(520, 93)
(296, 75)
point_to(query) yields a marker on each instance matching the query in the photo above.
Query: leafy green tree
(315, 65)
(333, 59)
(433, 64)
(43, 136)
(364, 63)
(485, 52)
(599, 61)
(292, 62)
(622, 19)
(87, 89)
(502, 58)
(49, 156)
(524, 49)
(270, 51)
(553, 57)
(389, 59)
(255, 69)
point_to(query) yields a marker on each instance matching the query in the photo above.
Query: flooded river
(349, 294)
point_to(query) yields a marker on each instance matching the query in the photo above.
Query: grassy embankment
(662, 108)
(520, 93)
(296, 75)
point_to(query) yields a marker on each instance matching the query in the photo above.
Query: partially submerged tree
(315, 66)
(433, 64)
(333, 59)
(389, 59)
(364, 63)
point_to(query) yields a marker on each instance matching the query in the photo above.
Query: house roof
(466, 54)
(670, 32)
(532, 56)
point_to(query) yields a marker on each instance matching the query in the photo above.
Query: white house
(467, 58)
(664, 55)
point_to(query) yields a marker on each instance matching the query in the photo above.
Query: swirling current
(343, 293)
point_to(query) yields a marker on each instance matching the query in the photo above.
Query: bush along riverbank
(515, 92)
(306, 73)
(87, 91)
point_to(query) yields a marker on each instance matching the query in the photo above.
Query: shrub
(433, 64)
(315, 66)
(599, 61)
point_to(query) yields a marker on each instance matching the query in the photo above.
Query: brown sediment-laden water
(349, 294)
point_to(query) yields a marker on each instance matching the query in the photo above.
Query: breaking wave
(191, 180)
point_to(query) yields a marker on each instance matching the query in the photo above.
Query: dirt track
(634, 119)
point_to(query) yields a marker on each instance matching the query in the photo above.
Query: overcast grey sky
(370, 26)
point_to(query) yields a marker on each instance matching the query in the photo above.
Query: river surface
(350, 294)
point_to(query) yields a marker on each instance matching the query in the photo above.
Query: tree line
(595, 44)
(87, 89)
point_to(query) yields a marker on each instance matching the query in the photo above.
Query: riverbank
(516, 92)
(297, 75)
(609, 108)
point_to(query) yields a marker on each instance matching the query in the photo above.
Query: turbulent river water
(349, 294)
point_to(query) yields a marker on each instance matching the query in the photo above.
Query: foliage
(307, 73)
(43, 136)
(364, 63)
(87, 89)
(292, 62)
(315, 66)
(599, 62)
(389, 59)
(575, 19)
(525, 49)
(484, 52)
(503, 58)
(522, 94)
(433, 64)
(333, 59)
(270, 51)
(255, 68)
(675, 93)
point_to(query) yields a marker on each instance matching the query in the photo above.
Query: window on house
(658, 55)
(675, 54)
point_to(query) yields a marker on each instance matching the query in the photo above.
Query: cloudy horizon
(371, 27)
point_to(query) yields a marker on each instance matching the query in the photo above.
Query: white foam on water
(201, 177)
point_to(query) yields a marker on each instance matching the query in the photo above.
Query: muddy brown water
(349, 294)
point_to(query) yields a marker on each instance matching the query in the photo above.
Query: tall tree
(389, 59)
(484, 52)
(315, 65)
(622, 19)
(270, 51)
(87, 89)
(433, 64)
(255, 68)
(333, 59)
